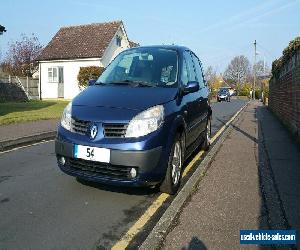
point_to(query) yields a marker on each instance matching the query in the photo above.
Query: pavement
(43, 208)
(253, 182)
(18, 134)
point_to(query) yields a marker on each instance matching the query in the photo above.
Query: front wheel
(171, 183)
(206, 143)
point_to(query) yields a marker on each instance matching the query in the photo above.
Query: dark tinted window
(190, 65)
(198, 69)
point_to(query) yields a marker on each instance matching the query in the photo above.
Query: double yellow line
(140, 223)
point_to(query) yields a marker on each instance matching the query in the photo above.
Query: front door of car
(191, 102)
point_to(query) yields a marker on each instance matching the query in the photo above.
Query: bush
(244, 89)
(266, 93)
(258, 94)
(88, 73)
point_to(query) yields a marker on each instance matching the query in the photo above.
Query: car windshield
(223, 91)
(147, 67)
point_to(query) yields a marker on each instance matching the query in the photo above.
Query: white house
(74, 47)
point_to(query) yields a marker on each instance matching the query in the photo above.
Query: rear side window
(184, 74)
(190, 66)
(198, 69)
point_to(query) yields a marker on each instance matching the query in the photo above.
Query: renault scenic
(137, 123)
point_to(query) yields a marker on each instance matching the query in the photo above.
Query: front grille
(114, 130)
(99, 168)
(80, 127)
(110, 130)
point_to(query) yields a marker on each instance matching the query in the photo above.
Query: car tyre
(206, 142)
(171, 182)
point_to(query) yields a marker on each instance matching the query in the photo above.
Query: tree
(214, 81)
(21, 55)
(2, 29)
(210, 74)
(261, 69)
(238, 70)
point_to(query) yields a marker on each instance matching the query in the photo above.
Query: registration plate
(92, 153)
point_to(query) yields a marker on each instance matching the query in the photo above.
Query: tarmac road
(41, 207)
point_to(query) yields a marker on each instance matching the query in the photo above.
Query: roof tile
(83, 41)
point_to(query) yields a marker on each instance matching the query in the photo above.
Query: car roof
(173, 47)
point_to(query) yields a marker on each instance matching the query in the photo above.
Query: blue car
(137, 123)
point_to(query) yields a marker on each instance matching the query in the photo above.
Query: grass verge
(17, 112)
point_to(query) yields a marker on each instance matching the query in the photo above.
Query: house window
(118, 41)
(56, 74)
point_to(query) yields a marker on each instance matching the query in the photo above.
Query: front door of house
(60, 86)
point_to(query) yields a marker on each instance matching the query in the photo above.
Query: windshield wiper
(144, 84)
(100, 83)
(123, 82)
(134, 83)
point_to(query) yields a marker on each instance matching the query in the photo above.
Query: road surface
(41, 207)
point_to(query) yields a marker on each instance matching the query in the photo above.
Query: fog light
(133, 172)
(62, 160)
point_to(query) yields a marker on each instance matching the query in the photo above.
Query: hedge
(287, 53)
(88, 73)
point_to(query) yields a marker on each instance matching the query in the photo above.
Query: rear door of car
(192, 102)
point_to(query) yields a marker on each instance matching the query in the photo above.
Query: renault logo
(93, 131)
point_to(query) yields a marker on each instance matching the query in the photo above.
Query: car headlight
(146, 122)
(66, 117)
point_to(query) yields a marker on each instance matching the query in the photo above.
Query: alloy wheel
(176, 163)
(208, 131)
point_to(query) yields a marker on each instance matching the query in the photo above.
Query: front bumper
(147, 163)
(223, 98)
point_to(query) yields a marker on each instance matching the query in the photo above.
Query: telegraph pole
(254, 69)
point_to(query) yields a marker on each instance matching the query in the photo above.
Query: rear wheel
(206, 143)
(172, 179)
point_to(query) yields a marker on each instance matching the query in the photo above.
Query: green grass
(16, 112)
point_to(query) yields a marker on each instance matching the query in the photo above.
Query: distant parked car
(223, 95)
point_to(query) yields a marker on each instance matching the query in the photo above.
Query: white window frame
(51, 78)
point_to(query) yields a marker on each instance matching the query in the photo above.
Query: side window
(190, 66)
(184, 75)
(118, 41)
(56, 74)
(198, 71)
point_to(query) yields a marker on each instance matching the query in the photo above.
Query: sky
(215, 30)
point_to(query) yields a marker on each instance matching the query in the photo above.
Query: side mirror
(91, 82)
(191, 87)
